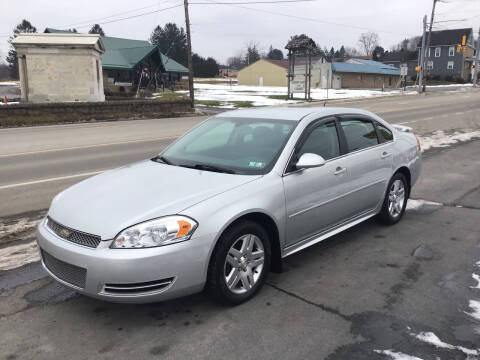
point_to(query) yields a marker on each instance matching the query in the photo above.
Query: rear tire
(239, 263)
(395, 201)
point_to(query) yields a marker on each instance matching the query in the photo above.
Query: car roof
(291, 113)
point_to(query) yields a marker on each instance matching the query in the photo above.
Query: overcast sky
(221, 31)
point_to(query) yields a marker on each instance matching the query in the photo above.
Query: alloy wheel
(396, 198)
(244, 263)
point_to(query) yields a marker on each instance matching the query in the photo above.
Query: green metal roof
(125, 54)
(171, 65)
(119, 43)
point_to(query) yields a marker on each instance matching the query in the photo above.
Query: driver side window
(323, 141)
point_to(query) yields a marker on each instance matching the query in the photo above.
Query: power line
(100, 21)
(134, 16)
(110, 16)
(121, 19)
(250, 2)
(308, 19)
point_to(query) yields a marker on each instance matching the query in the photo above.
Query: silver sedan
(224, 204)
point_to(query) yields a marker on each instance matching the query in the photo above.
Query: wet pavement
(372, 292)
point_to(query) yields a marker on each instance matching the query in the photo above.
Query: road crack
(309, 302)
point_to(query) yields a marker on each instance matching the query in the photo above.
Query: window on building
(450, 65)
(437, 51)
(429, 65)
(451, 51)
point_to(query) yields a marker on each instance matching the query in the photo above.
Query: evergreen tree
(172, 42)
(341, 52)
(96, 29)
(332, 52)
(253, 54)
(274, 54)
(24, 27)
(204, 67)
(378, 52)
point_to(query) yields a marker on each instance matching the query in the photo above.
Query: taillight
(419, 148)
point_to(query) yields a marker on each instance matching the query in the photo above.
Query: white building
(60, 67)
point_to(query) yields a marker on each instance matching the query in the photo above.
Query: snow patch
(8, 83)
(413, 204)
(397, 355)
(13, 257)
(21, 225)
(432, 339)
(475, 306)
(440, 139)
(259, 95)
(10, 103)
(477, 279)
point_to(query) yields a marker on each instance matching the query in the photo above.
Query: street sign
(297, 86)
(404, 70)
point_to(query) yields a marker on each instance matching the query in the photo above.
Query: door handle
(386, 155)
(339, 170)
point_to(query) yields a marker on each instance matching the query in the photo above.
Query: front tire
(240, 263)
(395, 201)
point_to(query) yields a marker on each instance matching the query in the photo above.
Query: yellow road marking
(88, 146)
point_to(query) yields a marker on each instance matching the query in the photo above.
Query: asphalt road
(38, 162)
(368, 290)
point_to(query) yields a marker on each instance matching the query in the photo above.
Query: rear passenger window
(384, 133)
(360, 134)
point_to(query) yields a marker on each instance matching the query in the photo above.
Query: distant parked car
(222, 205)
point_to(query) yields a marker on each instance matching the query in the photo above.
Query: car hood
(108, 203)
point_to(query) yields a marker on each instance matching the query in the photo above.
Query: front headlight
(163, 231)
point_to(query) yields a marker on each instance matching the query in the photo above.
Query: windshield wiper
(162, 160)
(209, 168)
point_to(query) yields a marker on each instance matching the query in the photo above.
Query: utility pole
(477, 61)
(428, 44)
(422, 56)
(189, 52)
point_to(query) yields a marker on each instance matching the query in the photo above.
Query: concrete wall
(273, 75)
(321, 74)
(67, 112)
(60, 74)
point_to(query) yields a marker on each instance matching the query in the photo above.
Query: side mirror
(309, 160)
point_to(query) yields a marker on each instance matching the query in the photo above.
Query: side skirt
(292, 249)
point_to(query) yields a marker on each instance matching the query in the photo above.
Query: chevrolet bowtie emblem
(64, 233)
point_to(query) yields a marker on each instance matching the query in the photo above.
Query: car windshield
(231, 145)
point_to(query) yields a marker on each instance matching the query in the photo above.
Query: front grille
(137, 288)
(72, 235)
(69, 273)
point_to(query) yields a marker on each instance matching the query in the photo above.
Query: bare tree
(350, 52)
(368, 42)
(409, 44)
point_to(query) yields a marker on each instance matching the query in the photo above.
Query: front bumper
(127, 275)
